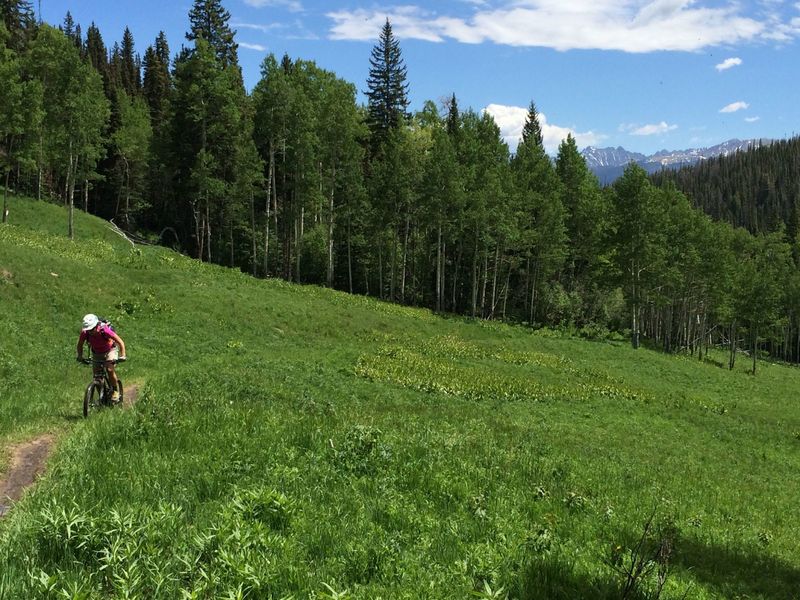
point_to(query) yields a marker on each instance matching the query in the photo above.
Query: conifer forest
(295, 179)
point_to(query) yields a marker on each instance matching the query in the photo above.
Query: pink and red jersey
(100, 339)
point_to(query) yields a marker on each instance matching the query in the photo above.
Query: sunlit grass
(297, 442)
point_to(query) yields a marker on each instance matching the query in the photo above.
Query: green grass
(298, 442)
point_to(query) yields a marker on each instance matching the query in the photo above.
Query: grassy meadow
(296, 442)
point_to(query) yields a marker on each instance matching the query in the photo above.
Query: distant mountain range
(609, 163)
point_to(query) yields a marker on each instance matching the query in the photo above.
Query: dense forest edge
(296, 180)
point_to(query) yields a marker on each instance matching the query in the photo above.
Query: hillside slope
(298, 442)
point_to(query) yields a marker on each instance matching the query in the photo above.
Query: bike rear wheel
(91, 399)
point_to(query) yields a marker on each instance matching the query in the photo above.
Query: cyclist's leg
(112, 374)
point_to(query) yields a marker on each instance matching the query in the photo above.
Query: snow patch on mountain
(609, 163)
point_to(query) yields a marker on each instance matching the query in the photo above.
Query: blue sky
(642, 74)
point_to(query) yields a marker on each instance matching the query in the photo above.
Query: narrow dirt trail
(29, 458)
(27, 463)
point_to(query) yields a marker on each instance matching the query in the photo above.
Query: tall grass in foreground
(296, 442)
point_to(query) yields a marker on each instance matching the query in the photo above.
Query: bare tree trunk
(732, 357)
(755, 348)
(86, 195)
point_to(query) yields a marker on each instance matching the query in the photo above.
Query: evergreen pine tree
(115, 67)
(208, 19)
(96, 51)
(18, 18)
(387, 90)
(68, 27)
(130, 76)
(156, 82)
(532, 132)
(162, 49)
(453, 117)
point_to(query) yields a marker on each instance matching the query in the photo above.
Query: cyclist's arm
(80, 347)
(120, 343)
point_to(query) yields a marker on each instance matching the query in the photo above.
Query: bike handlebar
(91, 361)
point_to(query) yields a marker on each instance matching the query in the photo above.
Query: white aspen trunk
(393, 266)
(442, 286)
(270, 183)
(8, 177)
(254, 249)
(208, 231)
(380, 271)
(455, 278)
(404, 260)
(494, 281)
(439, 268)
(349, 255)
(475, 276)
(68, 196)
(127, 195)
(485, 282)
(330, 230)
(505, 291)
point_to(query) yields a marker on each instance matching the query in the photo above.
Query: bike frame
(100, 374)
(101, 381)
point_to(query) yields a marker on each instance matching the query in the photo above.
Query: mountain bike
(99, 391)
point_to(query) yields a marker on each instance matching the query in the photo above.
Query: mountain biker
(106, 347)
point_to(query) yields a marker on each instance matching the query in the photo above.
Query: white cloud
(654, 129)
(752, 119)
(625, 25)
(258, 47)
(734, 106)
(728, 63)
(511, 121)
(257, 27)
(291, 5)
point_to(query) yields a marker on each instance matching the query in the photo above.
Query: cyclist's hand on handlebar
(122, 359)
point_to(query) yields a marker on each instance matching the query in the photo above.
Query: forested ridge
(295, 179)
(758, 189)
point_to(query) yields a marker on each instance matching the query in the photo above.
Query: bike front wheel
(91, 399)
(119, 389)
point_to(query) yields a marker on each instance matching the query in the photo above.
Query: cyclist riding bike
(107, 347)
